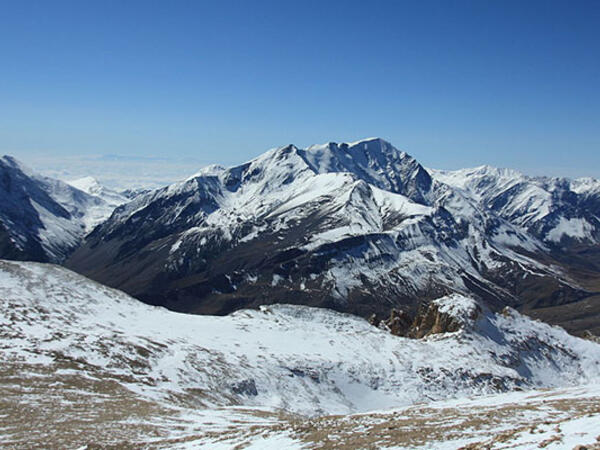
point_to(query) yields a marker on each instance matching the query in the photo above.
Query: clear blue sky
(455, 83)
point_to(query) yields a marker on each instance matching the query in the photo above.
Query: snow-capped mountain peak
(375, 161)
(478, 180)
(12, 162)
(210, 170)
(361, 227)
(92, 187)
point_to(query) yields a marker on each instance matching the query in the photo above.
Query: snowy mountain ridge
(93, 187)
(359, 227)
(109, 200)
(550, 208)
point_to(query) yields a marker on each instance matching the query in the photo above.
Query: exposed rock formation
(445, 315)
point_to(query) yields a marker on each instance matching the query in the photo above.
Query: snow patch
(576, 228)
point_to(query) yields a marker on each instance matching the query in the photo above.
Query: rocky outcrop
(587, 334)
(444, 315)
(398, 323)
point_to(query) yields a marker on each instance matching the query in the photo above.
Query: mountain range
(345, 296)
(360, 227)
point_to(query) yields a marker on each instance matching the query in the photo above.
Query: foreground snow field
(85, 364)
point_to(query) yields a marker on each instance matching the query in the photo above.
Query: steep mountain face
(360, 228)
(43, 219)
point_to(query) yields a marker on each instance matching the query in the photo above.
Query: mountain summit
(359, 227)
(374, 161)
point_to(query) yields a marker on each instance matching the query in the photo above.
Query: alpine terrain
(83, 365)
(361, 228)
(44, 219)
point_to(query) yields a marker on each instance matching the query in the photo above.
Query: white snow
(86, 202)
(346, 190)
(457, 306)
(300, 359)
(526, 201)
(575, 228)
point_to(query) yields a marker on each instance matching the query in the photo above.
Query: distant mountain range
(359, 227)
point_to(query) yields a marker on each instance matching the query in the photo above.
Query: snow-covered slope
(552, 209)
(300, 359)
(100, 211)
(42, 218)
(359, 227)
(89, 365)
(92, 187)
